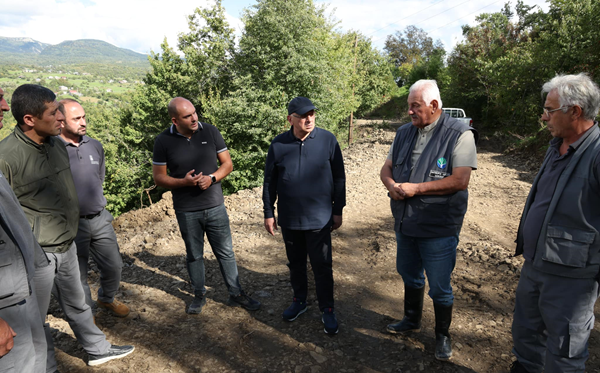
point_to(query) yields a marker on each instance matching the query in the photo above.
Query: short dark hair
(69, 101)
(30, 99)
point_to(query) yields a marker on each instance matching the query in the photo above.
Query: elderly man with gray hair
(427, 172)
(559, 235)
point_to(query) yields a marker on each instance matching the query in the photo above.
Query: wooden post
(351, 129)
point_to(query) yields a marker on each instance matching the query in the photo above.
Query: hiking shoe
(330, 322)
(115, 307)
(297, 308)
(196, 306)
(114, 352)
(245, 301)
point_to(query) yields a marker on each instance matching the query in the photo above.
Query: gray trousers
(553, 320)
(96, 237)
(63, 273)
(29, 352)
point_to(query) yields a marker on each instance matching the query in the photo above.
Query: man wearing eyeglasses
(304, 172)
(559, 236)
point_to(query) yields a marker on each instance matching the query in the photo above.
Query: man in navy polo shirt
(304, 172)
(189, 150)
(95, 234)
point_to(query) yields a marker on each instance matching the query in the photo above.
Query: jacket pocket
(14, 286)
(579, 334)
(7, 259)
(432, 209)
(568, 246)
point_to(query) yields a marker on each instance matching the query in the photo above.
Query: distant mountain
(20, 50)
(21, 45)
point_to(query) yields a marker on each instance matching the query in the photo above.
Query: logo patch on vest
(92, 161)
(442, 163)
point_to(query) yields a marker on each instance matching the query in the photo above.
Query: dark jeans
(215, 222)
(317, 245)
(434, 256)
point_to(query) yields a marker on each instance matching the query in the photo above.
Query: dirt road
(367, 288)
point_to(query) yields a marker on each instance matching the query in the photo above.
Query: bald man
(189, 150)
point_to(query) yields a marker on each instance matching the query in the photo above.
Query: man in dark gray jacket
(36, 165)
(427, 173)
(22, 340)
(559, 236)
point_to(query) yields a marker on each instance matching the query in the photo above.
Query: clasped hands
(400, 191)
(202, 181)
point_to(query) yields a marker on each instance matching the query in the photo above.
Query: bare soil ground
(368, 290)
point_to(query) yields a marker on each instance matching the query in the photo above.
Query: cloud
(440, 19)
(140, 25)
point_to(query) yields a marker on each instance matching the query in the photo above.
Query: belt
(90, 216)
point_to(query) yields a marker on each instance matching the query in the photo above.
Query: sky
(142, 25)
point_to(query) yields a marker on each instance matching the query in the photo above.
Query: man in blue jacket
(559, 236)
(304, 172)
(427, 173)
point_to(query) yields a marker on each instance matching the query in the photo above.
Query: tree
(287, 49)
(408, 48)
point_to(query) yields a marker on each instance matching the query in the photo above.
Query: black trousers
(317, 245)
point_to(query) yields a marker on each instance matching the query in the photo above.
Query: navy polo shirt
(182, 155)
(88, 169)
(306, 178)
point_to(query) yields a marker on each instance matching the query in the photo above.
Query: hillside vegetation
(287, 49)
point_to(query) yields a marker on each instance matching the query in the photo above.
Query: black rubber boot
(443, 319)
(413, 310)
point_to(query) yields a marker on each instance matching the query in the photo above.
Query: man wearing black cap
(304, 172)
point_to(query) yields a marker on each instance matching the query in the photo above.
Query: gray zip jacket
(569, 242)
(20, 254)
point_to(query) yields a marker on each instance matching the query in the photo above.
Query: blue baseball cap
(300, 106)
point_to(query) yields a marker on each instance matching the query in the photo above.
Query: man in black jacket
(304, 172)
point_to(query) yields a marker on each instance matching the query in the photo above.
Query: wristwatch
(213, 178)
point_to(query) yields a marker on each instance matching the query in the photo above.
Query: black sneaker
(516, 367)
(297, 308)
(245, 301)
(196, 306)
(114, 352)
(330, 322)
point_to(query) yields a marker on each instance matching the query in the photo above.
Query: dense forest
(290, 49)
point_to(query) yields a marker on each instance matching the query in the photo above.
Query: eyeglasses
(309, 114)
(547, 112)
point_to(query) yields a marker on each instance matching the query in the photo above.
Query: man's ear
(289, 119)
(435, 105)
(174, 121)
(577, 111)
(29, 120)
